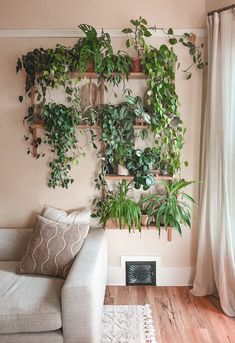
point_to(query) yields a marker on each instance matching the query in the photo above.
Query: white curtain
(215, 268)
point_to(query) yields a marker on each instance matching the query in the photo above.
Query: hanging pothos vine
(51, 68)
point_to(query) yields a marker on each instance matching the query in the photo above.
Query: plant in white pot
(171, 209)
(121, 208)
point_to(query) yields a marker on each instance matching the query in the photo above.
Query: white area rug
(127, 324)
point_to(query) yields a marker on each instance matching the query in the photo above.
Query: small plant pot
(140, 122)
(90, 67)
(144, 219)
(112, 223)
(136, 65)
(122, 170)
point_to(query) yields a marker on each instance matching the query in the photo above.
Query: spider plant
(122, 209)
(171, 209)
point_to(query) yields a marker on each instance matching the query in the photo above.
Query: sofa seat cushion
(28, 303)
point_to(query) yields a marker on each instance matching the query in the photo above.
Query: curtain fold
(215, 267)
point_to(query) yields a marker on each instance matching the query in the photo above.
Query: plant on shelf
(60, 131)
(51, 68)
(144, 214)
(141, 165)
(162, 102)
(116, 66)
(92, 48)
(120, 208)
(172, 208)
(137, 40)
(118, 134)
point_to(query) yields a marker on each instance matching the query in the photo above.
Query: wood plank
(95, 76)
(130, 177)
(40, 125)
(178, 315)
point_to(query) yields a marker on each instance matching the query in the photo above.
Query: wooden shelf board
(93, 75)
(41, 125)
(130, 177)
(112, 226)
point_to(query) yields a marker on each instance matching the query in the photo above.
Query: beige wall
(23, 189)
(215, 4)
(102, 13)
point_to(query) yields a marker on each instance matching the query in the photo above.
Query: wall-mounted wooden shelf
(112, 177)
(93, 75)
(40, 125)
(112, 226)
(82, 127)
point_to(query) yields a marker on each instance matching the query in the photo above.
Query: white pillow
(75, 217)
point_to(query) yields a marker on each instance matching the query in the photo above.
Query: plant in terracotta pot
(137, 40)
(92, 48)
(144, 214)
(115, 66)
(171, 209)
(121, 208)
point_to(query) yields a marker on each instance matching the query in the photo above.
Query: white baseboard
(165, 276)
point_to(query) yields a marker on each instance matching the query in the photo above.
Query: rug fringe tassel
(149, 330)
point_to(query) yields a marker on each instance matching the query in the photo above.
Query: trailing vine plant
(47, 69)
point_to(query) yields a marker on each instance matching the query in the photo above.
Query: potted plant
(92, 48)
(144, 214)
(121, 154)
(117, 122)
(136, 41)
(171, 209)
(141, 164)
(121, 209)
(115, 66)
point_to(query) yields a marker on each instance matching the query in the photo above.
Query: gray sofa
(40, 309)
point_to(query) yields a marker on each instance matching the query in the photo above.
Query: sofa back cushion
(13, 243)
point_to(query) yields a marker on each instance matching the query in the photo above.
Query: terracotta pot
(90, 67)
(136, 65)
(122, 170)
(144, 219)
(112, 223)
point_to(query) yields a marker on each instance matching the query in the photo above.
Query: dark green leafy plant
(116, 66)
(60, 130)
(162, 101)
(171, 209)
(50, 68)
(122, 209)
(188, 40)
(92, 48)
(141, 165)
(139, 32)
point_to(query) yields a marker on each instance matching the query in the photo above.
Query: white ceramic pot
(122, 170)
(144, 219)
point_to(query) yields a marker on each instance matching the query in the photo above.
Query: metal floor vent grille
(141, 273)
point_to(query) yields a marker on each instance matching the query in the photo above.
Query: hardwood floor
(179, 317)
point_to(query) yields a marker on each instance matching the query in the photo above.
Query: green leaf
(172, 41)
(127, 30)
(143, 134)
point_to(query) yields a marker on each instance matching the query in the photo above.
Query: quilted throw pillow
(52, 247)
(75, 217)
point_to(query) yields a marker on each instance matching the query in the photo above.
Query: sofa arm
(83, 291)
